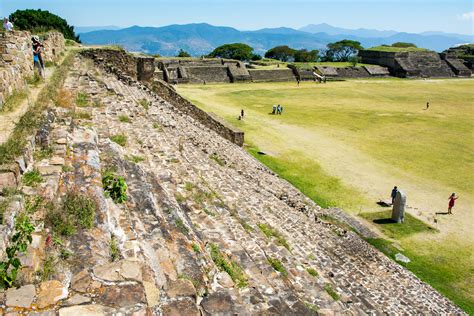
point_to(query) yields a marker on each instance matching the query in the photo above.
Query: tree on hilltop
(342, 50)
(39, 21)
(282, 53)
(236, 51)
(183, 53)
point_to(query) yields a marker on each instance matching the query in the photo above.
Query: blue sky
(455, 16)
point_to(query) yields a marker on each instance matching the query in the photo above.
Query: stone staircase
(206, 228)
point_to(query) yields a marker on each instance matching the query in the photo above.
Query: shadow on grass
(396, 230)
(382, 221)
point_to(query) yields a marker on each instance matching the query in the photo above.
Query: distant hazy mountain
(332, 30)
(465, 37)
(200, 39)
(85, 29)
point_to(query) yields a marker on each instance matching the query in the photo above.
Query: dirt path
(9, 119)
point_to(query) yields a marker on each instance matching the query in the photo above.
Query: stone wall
(126, 70)
(272, 75)
(458, 67)
(53, 46)
(208, 74)
(145, 68)
(352, 72)
(409, 64)
(116, 61)
(16, 58)
(210, 120)
(377, 71)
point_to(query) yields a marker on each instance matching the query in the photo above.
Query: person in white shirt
(7, 25)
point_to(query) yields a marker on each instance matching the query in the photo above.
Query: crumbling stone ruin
(139, 207)
(417, 63)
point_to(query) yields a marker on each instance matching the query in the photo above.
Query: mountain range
(201, 38)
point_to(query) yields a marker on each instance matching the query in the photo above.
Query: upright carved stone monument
(398, 210)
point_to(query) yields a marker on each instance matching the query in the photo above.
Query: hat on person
(35, 38)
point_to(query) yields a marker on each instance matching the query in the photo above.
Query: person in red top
(452, 198)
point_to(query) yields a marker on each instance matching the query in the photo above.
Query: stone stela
(398, 210)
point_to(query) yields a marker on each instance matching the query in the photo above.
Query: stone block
(7, 180)
(49, 293)
(21, 297)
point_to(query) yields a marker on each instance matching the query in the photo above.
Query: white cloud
(467, 16)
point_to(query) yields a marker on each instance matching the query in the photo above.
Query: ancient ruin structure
(416, 63)
(201, 227)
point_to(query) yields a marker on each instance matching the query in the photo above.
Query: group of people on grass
(452, 199)
(277, 109)
(38, 62)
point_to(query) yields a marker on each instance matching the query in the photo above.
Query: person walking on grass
(281, 109)
(242, 113)
(274, 109)
(278, 109)
(427, 105)
(452, 199)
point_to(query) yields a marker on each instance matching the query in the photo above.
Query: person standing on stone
(393, 195)
(7, 25)
(452, 199)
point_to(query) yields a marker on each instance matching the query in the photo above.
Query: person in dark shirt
(394, 193)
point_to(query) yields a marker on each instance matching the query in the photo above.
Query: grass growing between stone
(277, 265)
(120, 139)
(82, 99)
(224, 264)
(270, 232)
(76, 211)
(331, 292)
(124, 119)
(32, 178)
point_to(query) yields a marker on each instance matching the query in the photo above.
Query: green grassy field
(347, 143)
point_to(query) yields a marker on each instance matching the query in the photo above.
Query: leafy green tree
(283, 53)
(236, 51)
(342, 50)
(403, 44)
(183, 53)
(256, 57)
(42, 21)
(303, 55)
